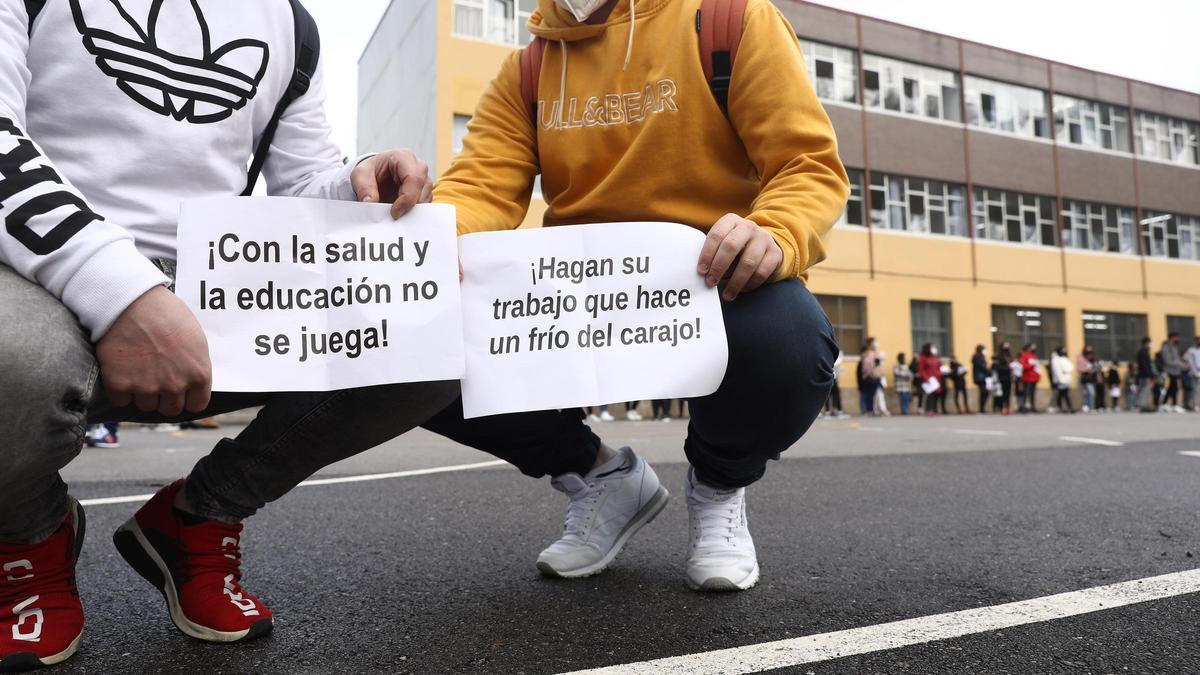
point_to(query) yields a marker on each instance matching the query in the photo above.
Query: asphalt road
(864, 522)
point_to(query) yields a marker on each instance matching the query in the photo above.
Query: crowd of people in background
(660, 410)
(1007, 382)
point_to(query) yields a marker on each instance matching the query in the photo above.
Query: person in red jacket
(1030, 375)
(929, 371)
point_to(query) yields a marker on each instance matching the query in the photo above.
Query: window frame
(927, 334)
(844, 72)
(1008, 100)
(515, 34)
(986, 200)
(1156, 135)
(897, 193)
(840, 327)
(1078, 221)
(908, 82)
(1093, 119)
(1046, 340)
(1109, 345)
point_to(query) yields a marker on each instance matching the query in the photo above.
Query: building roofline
(839, 10)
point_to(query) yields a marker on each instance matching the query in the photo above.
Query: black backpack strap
(33, 8)
(308, 53)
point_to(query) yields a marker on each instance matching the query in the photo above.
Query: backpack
(308, 52)
(719, 25)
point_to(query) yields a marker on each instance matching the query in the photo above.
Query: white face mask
(581, 9)
(933, 351)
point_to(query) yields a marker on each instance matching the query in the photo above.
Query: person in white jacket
(1063, 371)
(112, 112)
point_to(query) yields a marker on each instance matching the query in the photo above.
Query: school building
(996, 195)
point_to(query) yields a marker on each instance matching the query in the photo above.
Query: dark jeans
(866, 396)
(833, 403)
(781, 353)
(984, 395)
(49, 393)
(1029, 400)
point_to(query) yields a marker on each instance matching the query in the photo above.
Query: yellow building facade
(896, 270)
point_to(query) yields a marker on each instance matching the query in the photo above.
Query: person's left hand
(395, 176)
(735, 239)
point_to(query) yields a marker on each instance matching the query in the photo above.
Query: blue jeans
(905, 401)
(781, 353)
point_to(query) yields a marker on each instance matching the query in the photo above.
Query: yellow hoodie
(647, 141)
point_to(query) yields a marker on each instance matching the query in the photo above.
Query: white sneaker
(665, 419)
(593, 418)
(605, 417)
(608, 506)
(721, 553)
(632, 415)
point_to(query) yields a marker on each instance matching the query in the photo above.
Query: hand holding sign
(311, 295)
(587, 314)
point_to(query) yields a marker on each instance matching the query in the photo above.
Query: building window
(1167, 138)
(931, 323)
(917, 205)
(1169, 235)
(853, 213)
(500, 21)
(1091, 123)
(459, 133)
(1115, 336)
(1098, 227)
(1185, 326)
(1002, 215)
(1006, 107)
(832, 70)
(849, 318)
(911, 89)
(1019, 326)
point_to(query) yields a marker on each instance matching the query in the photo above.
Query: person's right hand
(155, 356)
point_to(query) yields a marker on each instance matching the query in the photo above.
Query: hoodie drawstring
(562, 84)
(632, 25)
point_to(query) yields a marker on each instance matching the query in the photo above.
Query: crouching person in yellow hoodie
(626, 128)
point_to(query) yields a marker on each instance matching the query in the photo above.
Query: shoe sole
(133, 546)
(107, 446)
(725, 585)
(641, 519)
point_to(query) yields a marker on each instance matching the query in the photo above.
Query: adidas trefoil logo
(169, 65)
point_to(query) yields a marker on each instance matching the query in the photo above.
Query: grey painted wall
(397, 96)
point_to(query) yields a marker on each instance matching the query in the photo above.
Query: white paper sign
(316, 295)
(587, 314)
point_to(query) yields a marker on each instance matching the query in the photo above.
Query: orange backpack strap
(719, 23)
(531, 71)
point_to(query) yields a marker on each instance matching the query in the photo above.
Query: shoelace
(716, 522)
(579, 512)
(207, 553)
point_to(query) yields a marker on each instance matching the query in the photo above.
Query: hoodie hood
(556, 24)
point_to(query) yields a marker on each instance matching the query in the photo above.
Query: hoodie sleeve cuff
(107, 283)
(789, 268)
(341, 188)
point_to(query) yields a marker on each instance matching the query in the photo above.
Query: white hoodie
(1063, 369)
(114, 111)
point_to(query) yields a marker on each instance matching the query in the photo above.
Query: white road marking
(1093, 441)
(324, 481)
(882, 637)
(980, 432)
(1190, 453)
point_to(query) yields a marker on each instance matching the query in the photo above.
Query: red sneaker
(196, 568)
(41, 618)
